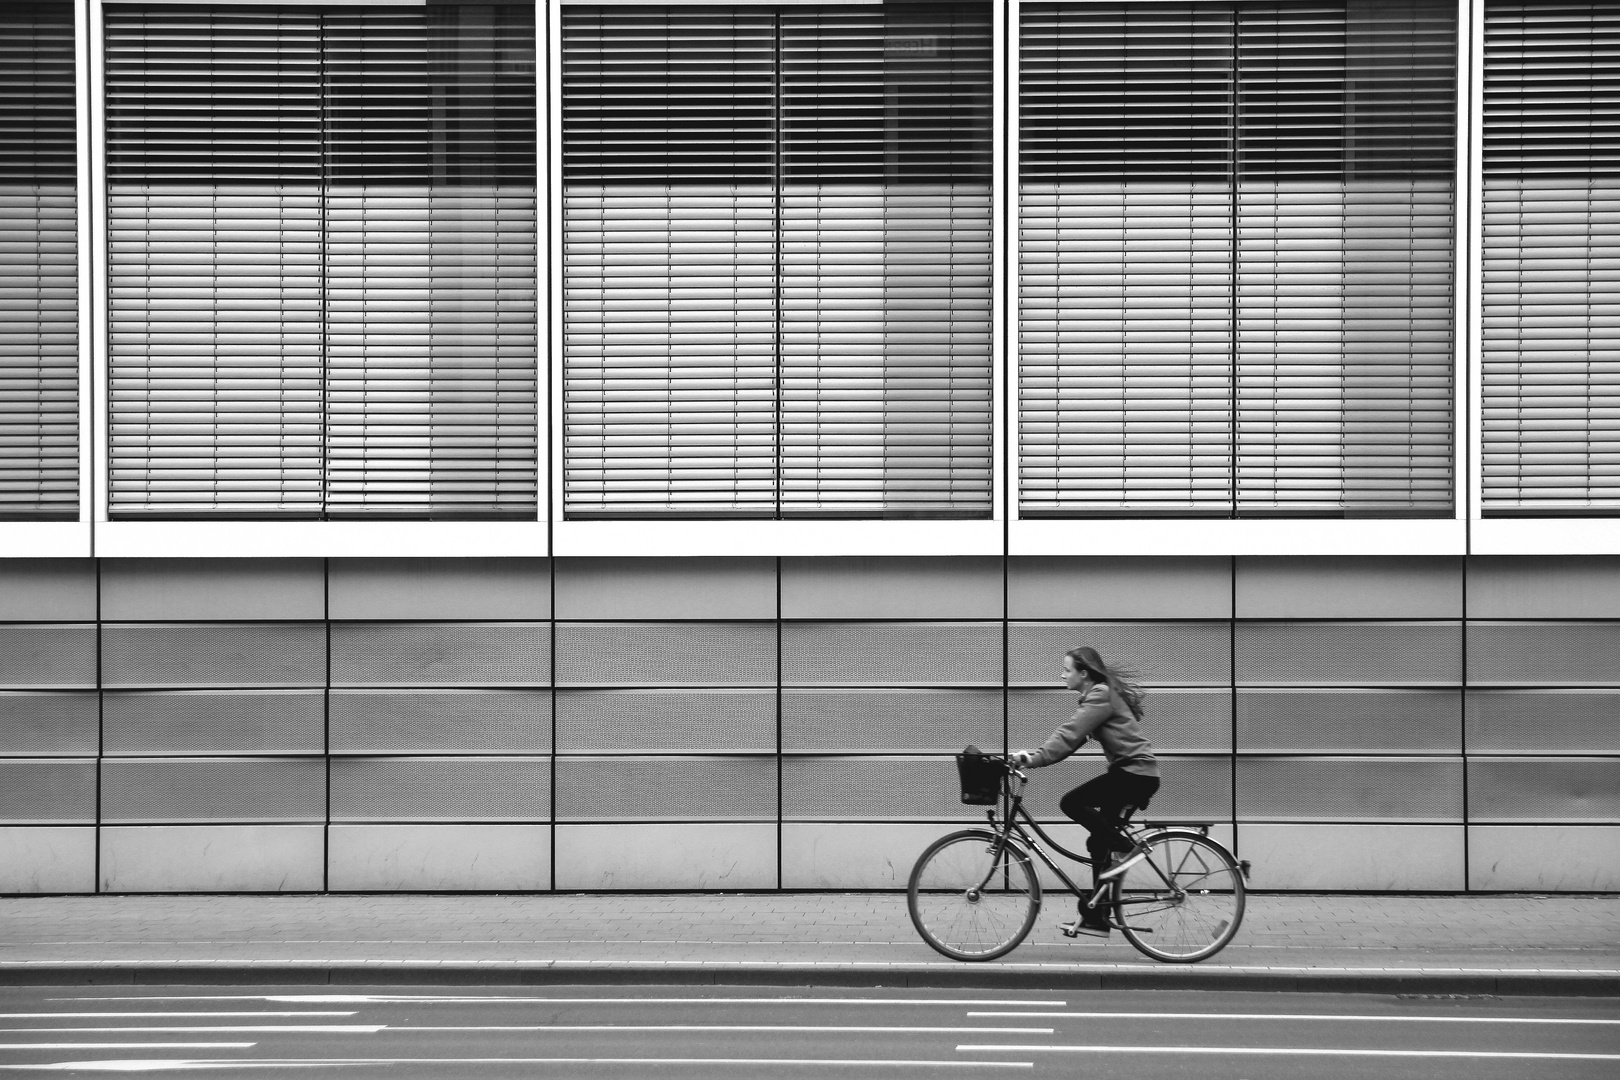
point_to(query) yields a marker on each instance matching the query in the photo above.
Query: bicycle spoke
(1183, 901)
(973, 898)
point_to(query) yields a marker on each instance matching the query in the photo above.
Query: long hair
(1119, 679)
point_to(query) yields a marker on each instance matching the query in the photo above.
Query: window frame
(743, 537)
(1173, 535)
(1525, 535)
(1468, 532)
(305, 539)
(75, 539)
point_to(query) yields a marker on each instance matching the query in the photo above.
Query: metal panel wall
(1285, 717)
(669, 721)
(224, 655)
(441, 654)
(1158, 653)
(419, 721)
(34, 722)
(162, 722)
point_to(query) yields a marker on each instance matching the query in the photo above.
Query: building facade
(611, 446)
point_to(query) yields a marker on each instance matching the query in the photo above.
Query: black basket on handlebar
(981, 777)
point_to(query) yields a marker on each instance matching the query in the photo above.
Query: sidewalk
(1386, 944)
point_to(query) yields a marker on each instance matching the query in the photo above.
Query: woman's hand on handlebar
(1020, 759)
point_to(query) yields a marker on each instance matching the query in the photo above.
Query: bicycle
(974, 895)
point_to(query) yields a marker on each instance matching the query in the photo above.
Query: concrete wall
(514, 724)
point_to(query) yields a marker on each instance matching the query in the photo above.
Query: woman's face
(1072, 678)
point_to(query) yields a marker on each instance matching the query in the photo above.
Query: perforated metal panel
(137, 790)
(1350, 789)
(47, 791)
(852, 721)
(39, 654)
(1173, 719)
(891, 654)
(1160, 654)
(213, 655)
(214, 722)
(668, 720)
(441, 654)
(1347, 721)
(33, 722)
(440, 721)
(1190, 788)
(1575, 790)
(666, 789)
(1544, 721)
(441, 789)
(873, 789)
(1349, 654)
(666, 654)
(1544, 653)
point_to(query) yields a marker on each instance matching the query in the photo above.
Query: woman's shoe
(1080, 927)
(1136, 855)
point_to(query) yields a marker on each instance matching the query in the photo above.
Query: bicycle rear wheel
(1183, 902)
(972, 897)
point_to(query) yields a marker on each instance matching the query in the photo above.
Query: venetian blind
(322, 228)
(777, 261)
(1551, 261)
(1236, 259)
(39, 345)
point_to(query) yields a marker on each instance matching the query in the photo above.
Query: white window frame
(1517, 535)
(1249, 536)
(237, 539)
(73, 539)
(1469, 532)
(743, 537)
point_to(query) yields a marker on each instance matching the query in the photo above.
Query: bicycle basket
(981, 778)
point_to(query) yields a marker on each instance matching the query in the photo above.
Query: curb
(1504, 982)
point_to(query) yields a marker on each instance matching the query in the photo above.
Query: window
(322, 248)
(1551, 291)
(39, 345)
(777, 261)
(1235, 259)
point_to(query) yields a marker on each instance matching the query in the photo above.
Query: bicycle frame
(1014, 820)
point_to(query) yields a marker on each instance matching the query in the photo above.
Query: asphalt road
(641, 1031)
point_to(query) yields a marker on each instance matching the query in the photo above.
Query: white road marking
(361, 1029)
(170, 1065)
(372, 1029)
(720, 1027)
(161, 1065)
(1287, 1016)
(245, 1012)
(388, 999)
(387, 963)
(1291, 1051)
(130, 1046)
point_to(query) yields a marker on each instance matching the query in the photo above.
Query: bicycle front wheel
(972, 896)
(1183, 902)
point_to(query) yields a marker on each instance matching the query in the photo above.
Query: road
(641, 1031)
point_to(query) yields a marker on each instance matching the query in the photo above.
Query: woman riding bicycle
(1110, 711)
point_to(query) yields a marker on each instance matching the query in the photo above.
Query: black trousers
(1097, 803)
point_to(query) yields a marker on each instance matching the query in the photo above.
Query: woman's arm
(1095, 708)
